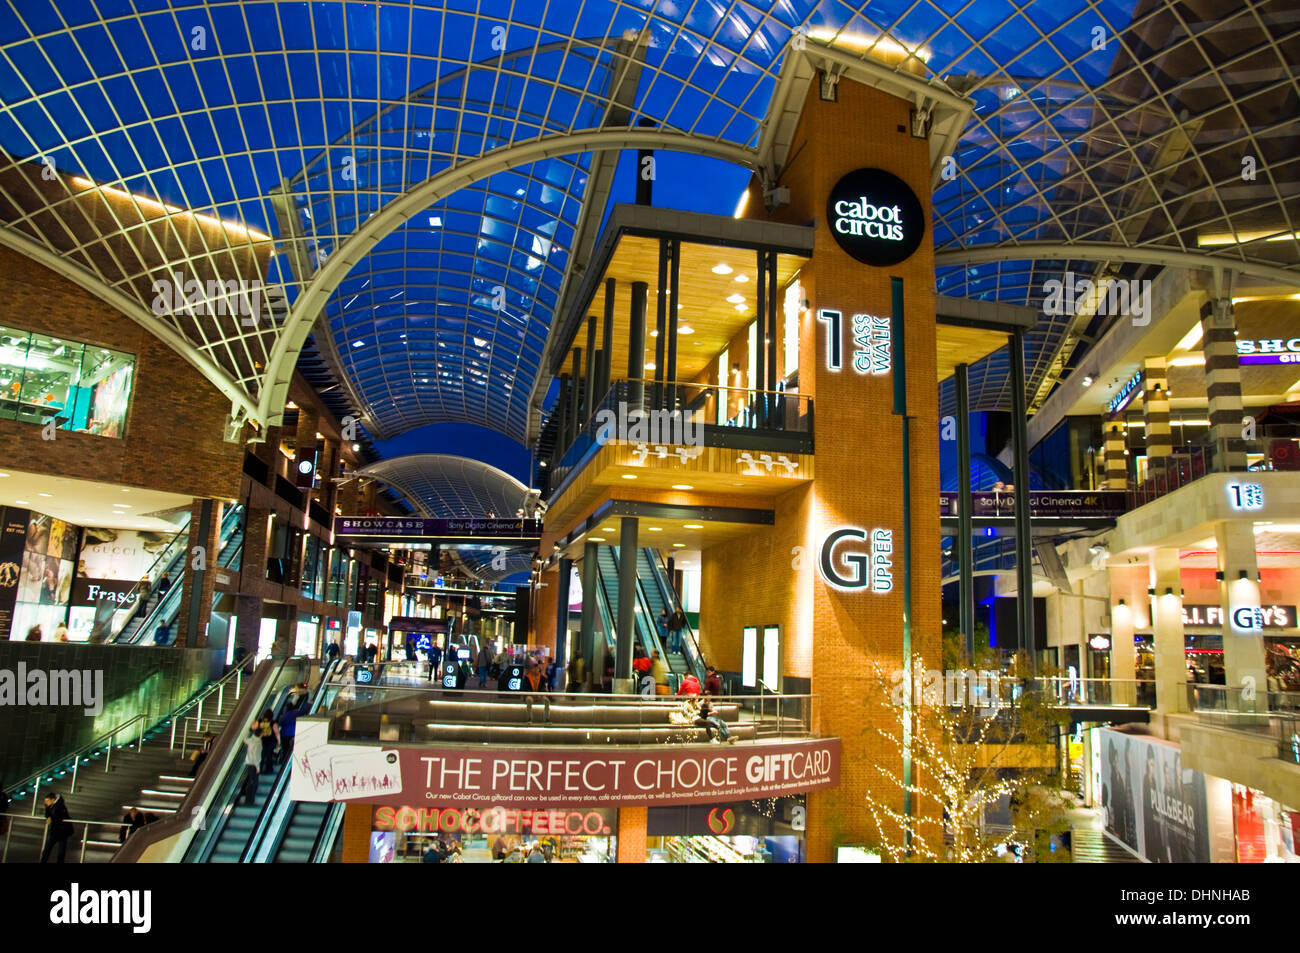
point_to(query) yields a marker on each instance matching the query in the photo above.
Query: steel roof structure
(413, 180)
(443, 486)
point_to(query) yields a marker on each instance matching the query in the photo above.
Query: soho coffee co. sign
(875, 217)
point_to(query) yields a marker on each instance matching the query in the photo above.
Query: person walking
(164, 584)
(483, 663)
(57, 827)
(331, 652)
(252, 760)
(577, 672)
(659, 672)
(132, 821)
(552, 673)
(268, 731)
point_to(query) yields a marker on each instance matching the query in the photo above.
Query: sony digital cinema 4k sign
(875, 217)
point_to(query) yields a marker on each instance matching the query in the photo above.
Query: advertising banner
(560, 778)
(13, 535)
(1153, 804)
(1089, 504)
(382, 527)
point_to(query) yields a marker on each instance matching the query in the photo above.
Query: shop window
(83, 388)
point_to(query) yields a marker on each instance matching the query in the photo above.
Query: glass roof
(443, 486)
(1124, 122)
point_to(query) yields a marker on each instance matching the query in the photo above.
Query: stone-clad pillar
(1155, 413)
(1223, 384)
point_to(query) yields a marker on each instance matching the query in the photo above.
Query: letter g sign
(856, 563)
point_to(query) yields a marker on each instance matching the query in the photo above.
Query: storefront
(1266, 832)
(493, 835)
(758, 832)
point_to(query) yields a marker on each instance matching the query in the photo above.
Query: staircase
(154, 778)
(1092, 846)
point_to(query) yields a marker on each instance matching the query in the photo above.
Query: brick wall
(176, 425)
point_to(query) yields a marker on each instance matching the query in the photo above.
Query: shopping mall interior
(461, 431)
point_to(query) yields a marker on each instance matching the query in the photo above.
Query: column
(355, 836)
(285, 634)
(562, 606)
(198, 585)
(964, 544)
(674, 276)
(607, 339)
(636, 345)
(1155, 413)
(1239, 598)
(773, 312)
(1123, 652)
(248, 627)
(562, 412)
(1223, 384)
(587, 637)
(626, 631)
(1116, 463)
(590, 397)
(1024, 529)
(758, 373)
(1167, 623)
(575, 396)
(632, 834)
(661, 325)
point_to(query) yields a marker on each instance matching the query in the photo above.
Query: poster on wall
(13, 534)
(119, 553)
(1153, 804)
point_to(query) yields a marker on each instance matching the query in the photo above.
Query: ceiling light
(654, 333)
(679, 545)
(121, 506)
(595, 539)
(23, 502)
(740, 307)
(736, 299)
(44, 494)
(722, 269)
(356, 448)
(655, 529)
(629, 476)
(741, 278)
(125, 490)
(649, 365)
(685, 329)
(695, 526)
(682, 486)
(1087, 380)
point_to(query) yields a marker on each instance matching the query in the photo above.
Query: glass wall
(83, 388)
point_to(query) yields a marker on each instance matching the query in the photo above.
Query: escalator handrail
(231, 789)
(694, 658)
(273, 820)
(213, 775)
(172, 597)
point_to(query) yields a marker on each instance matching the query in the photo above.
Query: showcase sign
(875, 217)
(1269, 351)
(563, 778)
(1153, 804)
(372, 527)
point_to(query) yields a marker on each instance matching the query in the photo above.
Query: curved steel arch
(242, 406)
(444, 485)
(302, 316)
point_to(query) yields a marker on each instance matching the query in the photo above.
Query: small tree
(969, 741)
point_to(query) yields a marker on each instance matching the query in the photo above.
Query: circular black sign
(875, 217)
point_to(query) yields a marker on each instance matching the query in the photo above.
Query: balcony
(677, 420)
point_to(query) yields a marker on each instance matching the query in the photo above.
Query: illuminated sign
(494, 820)
(1126, 393)
(875, 217)
(874, 569)
(873, 342)
(1246, 496)
(1269, 351)
(1099, 642)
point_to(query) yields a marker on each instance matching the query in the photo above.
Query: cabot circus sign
(875, 217)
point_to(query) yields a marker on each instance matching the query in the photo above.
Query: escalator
(273, 826)
(140, 629)
(607, 581)
(659, 594)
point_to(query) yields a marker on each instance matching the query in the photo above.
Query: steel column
(1024, 529)
(964, 545)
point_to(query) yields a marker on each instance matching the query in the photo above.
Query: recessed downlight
(595, 539)
(721, 269)
(23, 502)
(685, 329)
(736, 299)
(679, 545)
(629, 476)
(695, 526)
(655, 529)
(741, 278)
(44, 494)
(682, 486)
